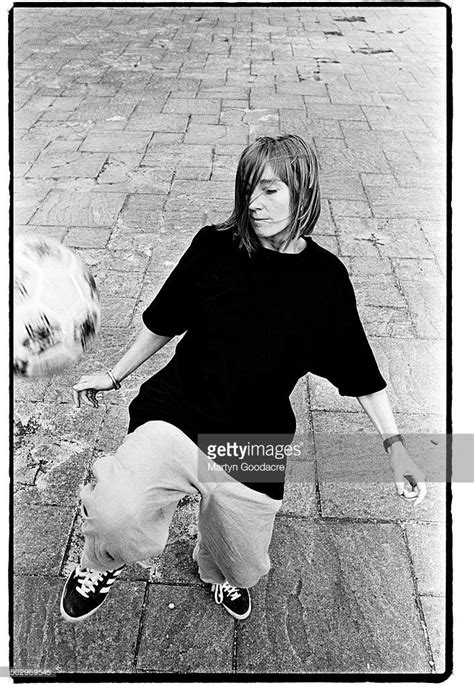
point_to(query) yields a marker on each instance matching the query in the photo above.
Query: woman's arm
(377, 406)
(145, 345)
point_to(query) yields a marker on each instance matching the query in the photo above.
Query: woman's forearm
(377, 406)
(145, 345)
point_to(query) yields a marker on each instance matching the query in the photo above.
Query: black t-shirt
(254, 325)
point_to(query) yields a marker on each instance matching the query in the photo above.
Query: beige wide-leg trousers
(128, 511)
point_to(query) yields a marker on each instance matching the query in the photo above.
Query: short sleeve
(346, 358)
(170, 313)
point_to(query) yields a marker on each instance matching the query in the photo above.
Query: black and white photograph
(230, 327)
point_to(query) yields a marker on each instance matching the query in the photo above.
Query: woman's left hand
(409, 478)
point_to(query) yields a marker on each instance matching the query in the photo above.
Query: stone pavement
(128, 124)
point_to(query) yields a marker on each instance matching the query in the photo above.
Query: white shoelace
(89, 579)
(219, 590)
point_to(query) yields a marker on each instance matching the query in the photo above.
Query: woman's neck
(278, 244)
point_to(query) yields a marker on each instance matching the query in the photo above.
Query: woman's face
(269, 205)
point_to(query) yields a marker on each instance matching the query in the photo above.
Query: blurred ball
(56, 307)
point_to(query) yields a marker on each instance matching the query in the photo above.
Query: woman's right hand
(88, 386)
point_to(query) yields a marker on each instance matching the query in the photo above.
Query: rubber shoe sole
(235, 615)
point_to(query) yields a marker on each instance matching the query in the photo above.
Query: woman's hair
(296, 164)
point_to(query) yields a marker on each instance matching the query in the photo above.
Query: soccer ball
(56, 306)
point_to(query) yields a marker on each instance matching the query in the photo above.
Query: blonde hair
(296, 164)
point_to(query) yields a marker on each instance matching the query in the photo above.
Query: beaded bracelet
(116, 383)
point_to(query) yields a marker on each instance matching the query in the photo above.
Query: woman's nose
(256, 200)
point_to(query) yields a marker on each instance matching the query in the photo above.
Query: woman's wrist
(392, 440)
(116, 383)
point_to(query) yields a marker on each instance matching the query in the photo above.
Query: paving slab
(87, 237)
(333, 111)
(117, 313)
(64, 165)
(417, 176)
(300, 497)
(386, 321)
(212, 189)
(115, 260)
(25, 389)
(45, 644)
(79, 209)
(347, 95)
(119, 176)
(114, 425)
(54, 470)
(101, 110)
(124, 142)
(148, 118)
(57, 233)
(192, 154)
(418, 270)
(434, 610)
(196, 173)
(388, 119)
(40, 534)
(353, 471)
(328, 422)
(193, 636)
(378, 179)
(415, 202)
(119, 165)
(320, 129)
(178, 105)
(29, 194)
(120, 283)
(414, 370)
(427, 544)
(208, 133)
(142, 212)
(437, 242)
(336, 154)
(58, 428)
(350, 208)
(378, 290)
(378, 500)
(178, 566)
(427, 302)
(324, 607)
(342, 186)
(402, 238)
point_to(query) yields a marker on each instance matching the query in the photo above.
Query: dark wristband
(392, 440)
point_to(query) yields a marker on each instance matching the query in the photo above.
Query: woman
(261, 305)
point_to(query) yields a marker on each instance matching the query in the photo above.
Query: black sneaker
(85, 592)
(236, 600)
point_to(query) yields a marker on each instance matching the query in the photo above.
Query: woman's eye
(271, 190)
